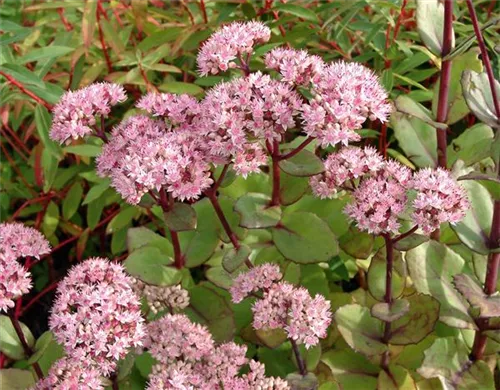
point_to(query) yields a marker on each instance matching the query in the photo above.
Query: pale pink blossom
(233, 42)
(17, 240)
(256, 379)
(75, 114)
(380, 200)
(96, 315)
(258, 278)
(175, 337)
(245, 109)
(249, 159)
(141, 157)
(345, 95)
(349, 163)
(15, 281)
(295, 66)
(439, 199)
(68, 374)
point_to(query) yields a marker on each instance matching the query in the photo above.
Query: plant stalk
(300, 361)
(27, 350)
(179, 259)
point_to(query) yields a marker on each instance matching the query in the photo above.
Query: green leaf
(220, 277)
(305, 238)
(472, 146)
(50, 167)
(478, 96)
(448, 360)
(418, 323)
(16, 379)
(395, 378)
(181, 217)
(431, 267)
(122, 219)
(72, 201)
(255, 212)
(408, 106)
(298, 382)
(50, 220)
(10, 344)
(112, 38)
(360, 330)
(377, 272)
(457, 107)
(297, 10)
(43, 123)
(390, 312)
(150, 265)
(410, 242)
(357, 244)
(180, 87)
(474, 229)
(416, 138)
(487, 306)
(490, 182)
(303, 164)
(22, 74)
(141, 236)
(234, 258)
(84, 150)
(96, 191)
(41, 345)
(199, 247)
(387, 79)
(350, 369)
(430, 24)
(271, 338)
(44, 53)
(292, 188)
(89, 22)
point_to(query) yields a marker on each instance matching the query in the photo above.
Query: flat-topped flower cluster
(239, 121)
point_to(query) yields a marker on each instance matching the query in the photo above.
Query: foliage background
(48, 47)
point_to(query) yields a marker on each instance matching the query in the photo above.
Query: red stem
(382, 141)
(304, 143)
(37, 297)
(179, 259)
(103, 44)
(444, 84)
(404, 235)
(27, 350)
(298, 357)
(23, 89)
(204, 11)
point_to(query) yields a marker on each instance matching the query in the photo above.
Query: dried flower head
(295, 66)
(439, 199)
(283, 306)
(258, 278)
(231, 42)
(380, 200)
(141, 156)
(75, 114)
(175, 337)
(345, 95)
(161, 298)
(67, 374)
(243, 109)
(347, 164)
(96, 315)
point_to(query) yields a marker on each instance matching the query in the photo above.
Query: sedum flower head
(174, 337)
(162, 297)
(295, 66)
(249, 159)
(96, 315)
(243, 109)
(16, 241)
(304, 318)
(345, 95)
(67, 374)
(380, 200)
(258, 278)
(231, 42)
(75, 114)
(439, 199)
(141, 156)
(347, 164)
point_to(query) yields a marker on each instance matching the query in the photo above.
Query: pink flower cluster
(439, 199)
(96, 315)
(258, 278)
(141, 156)
(381, 199)
(75, 114)
(231, 42)
(16, 241)
(65, 374)
(295, 66)
(345, 95)
(283, 306)
(347, 164)
(188, 359)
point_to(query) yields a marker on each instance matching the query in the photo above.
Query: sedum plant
(265, 242)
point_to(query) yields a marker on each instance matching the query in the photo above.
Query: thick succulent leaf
(477, 93)
(181, 217)
(432, 266)
(255, 212)
(430, 24)
(488, 306)
(10, 344)
(472, 146)
(377, 271)
(303, 164)
(235, 258)
(395, 378)
(390, 312)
